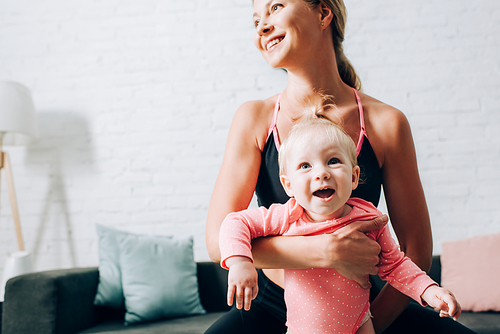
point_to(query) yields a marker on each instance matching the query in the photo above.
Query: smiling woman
(282, 30)
(305, 38)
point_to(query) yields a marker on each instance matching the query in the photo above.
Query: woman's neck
(312, 74)
(307, 84)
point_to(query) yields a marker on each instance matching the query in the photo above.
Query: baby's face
(321, 178)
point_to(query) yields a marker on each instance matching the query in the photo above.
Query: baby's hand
(443, 301)
(242, 282)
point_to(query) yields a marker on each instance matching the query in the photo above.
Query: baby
(318, 170)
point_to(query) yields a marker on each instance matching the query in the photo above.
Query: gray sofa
(61, 302)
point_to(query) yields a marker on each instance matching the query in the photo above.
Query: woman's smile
(273, 42)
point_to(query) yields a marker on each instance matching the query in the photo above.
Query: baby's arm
(443, 301)
(236, 232)
(408, 278)
(242, 282)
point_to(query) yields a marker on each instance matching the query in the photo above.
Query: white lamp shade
(17, 112)
(18, 263)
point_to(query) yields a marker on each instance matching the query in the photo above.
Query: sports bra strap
(362, 133)
(273, 128)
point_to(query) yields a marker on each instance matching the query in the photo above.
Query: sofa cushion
(109, 290)
(158, 277)
(150, 277)
(470, 269)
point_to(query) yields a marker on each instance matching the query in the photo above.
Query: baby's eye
(333, 161)
(304, 165)
(275, 7)
(256, 23)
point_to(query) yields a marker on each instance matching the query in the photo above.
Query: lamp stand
(5, 164)
(19, 262)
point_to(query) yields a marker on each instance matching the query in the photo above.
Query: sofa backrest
(435, 271)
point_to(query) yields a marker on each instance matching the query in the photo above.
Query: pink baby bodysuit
(321, 300)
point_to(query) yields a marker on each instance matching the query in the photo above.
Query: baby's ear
(355, 177)
(285, 182)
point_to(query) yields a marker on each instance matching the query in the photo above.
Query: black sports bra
(269, 189)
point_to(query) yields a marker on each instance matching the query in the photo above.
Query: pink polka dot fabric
(321, 300)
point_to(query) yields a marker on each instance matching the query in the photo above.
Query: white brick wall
(135, 99)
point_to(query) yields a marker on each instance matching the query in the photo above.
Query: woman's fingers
(358, 255)
(372, 225)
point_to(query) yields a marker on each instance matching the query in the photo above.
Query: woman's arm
(406, 205)
(238, 174)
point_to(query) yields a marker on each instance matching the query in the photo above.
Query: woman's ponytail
(344, 66)
(346, 70)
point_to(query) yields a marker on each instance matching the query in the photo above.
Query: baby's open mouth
(324, 193)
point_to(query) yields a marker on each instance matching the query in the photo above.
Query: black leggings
(268, 315)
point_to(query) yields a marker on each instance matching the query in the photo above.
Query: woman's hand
(353, 254)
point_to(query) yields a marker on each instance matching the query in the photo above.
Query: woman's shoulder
(257, 109)
(386, 125)
(255, 116)
(381, 113)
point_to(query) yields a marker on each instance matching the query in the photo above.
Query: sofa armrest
(212, 283)
(56, 301)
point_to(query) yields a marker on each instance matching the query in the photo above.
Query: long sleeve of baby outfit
(239, 228)
(398, 270)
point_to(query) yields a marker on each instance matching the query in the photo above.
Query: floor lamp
(17, 120)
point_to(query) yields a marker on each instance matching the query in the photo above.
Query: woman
(305, 38)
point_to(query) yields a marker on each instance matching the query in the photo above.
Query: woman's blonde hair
(314, 122)
(344, 66)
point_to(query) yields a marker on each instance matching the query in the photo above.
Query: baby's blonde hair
(321, 128)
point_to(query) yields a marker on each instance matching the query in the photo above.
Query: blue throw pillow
(109, 290)
(158, 277)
